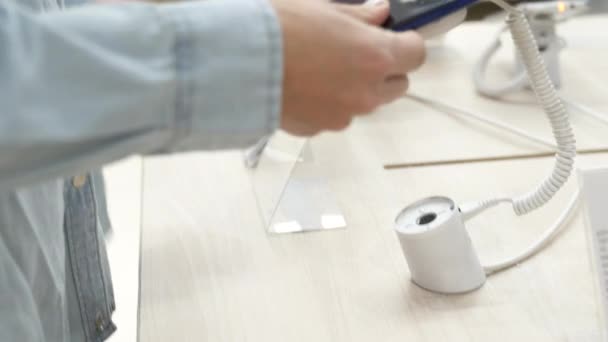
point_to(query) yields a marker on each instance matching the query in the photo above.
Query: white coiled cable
(556, 112)
(517, 82)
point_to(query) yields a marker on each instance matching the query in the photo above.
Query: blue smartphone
(413, 14)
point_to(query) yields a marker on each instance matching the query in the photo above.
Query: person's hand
(339, 64)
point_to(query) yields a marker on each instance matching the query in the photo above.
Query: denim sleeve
(93, 84)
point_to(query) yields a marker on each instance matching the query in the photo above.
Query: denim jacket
(85, 85)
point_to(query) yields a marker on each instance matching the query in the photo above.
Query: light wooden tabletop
(209, 271)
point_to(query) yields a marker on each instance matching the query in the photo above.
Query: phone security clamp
(432, 233)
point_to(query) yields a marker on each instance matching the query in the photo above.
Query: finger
(299, 129)
(393, 88)
(339, 122)
(374, 12)
(408, 51)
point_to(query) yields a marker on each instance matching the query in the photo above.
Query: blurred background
(483, 9)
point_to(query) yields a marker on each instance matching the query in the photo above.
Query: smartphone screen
(412, 14)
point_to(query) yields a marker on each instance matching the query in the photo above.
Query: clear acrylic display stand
(291, 192)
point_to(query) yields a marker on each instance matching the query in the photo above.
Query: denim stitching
(84, 316)
(94, 218)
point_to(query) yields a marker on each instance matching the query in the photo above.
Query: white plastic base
(437, 247)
